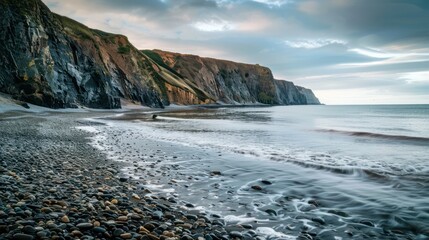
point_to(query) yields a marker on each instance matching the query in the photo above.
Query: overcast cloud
(355, 51)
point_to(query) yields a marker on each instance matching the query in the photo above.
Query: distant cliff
(53, 61)
(233, 83)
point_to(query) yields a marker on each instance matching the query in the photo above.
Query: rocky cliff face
(53, 61)
(234, 83)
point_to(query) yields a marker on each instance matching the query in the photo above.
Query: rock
(153, 237)
(191, 217)
(190, 205)
(256, 187)
(84, 226)
(215, 173)
(271, 212)
(135, 196)
(142, 229)
(114, 201)
(236, 234)
(367, 222)
(29, 230)
(76, 233)
(149, 226)
(21, 236)
(314, 202)
(187, 225)
(168, 234)
(318, 220)
(186, 237)
(46, 210)
(99, 230)
(122, 179)
(65, 219)
(126, 236)
(266, 182)
(118, 232)
(246, 226)
(42, 234)
(339, 213)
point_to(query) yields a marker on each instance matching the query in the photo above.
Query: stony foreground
(54, 185)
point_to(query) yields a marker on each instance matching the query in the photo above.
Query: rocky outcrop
(53, 61)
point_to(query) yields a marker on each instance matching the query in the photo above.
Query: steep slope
(54, 61)
(230, 82)
(309, 95)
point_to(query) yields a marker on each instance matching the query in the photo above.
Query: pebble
(65, 219)
(84, 226)
(266, 182)
(318, 220)
(135, 196)
(236, 234)
(126, 236)
(76, 233)
(367, 222)
(28, 230)
(271, 212)
(215, 173)
(21, 236)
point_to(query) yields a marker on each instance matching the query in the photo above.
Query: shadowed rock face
(53, 61)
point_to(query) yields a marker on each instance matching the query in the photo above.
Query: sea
(288, 171)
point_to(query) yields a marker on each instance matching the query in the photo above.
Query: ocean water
(342, 171)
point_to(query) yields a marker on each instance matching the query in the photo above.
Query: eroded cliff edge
(54, 61)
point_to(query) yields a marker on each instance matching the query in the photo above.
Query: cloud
(213, 25)
(313, 43)
(277, 3)
(355, 44)
(415, 77)
(389, 58)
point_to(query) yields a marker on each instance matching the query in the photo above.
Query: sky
(346, 51)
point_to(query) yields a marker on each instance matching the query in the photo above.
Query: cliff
(231, 83)
(54, 61)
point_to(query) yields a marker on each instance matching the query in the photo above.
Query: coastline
(56, 185)
(191, 189)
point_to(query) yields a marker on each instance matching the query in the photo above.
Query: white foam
(269, 232)
(239, 219)
(90, 129)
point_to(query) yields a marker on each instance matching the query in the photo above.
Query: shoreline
(56, 185)
(116, 176)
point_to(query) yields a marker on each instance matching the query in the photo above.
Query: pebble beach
(55, 185)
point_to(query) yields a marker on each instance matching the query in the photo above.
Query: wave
(369, 173)
(378, 135)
